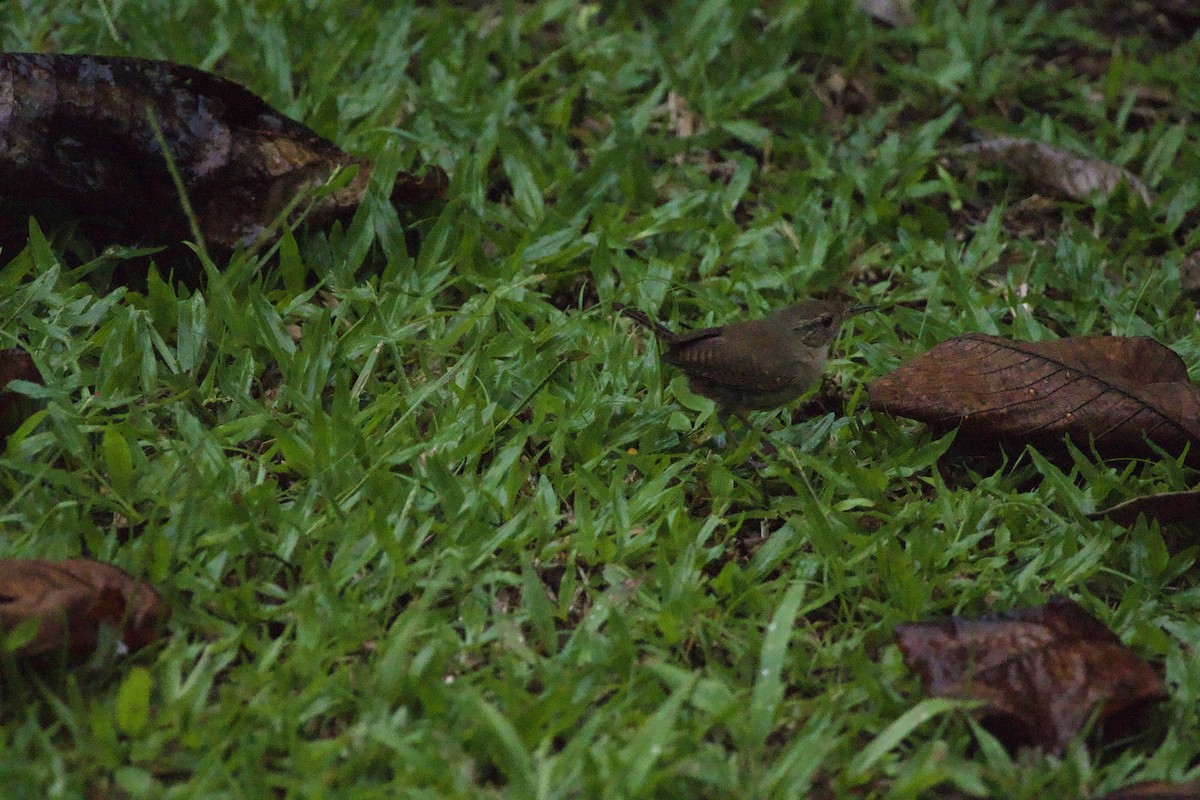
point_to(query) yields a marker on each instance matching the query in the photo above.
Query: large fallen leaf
(1042, 671)
(1157, 790)
(1055, 168)
(69, 600)
(1117, 391)
(1167, 507)
(15, 365)
(75, 132)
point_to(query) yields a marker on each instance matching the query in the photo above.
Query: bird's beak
(850, 312)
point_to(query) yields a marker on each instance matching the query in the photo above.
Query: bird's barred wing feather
(718, 360)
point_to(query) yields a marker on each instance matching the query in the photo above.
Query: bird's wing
(719, 360)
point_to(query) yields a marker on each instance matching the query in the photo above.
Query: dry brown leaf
(897, 13)
(1167, 507)
(15, 365)
(1116, 391)
(71, 599)
(1055, 168)
(682, 122)
(1042, 671)
(74, 131)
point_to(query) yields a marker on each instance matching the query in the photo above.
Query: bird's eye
(826, 320)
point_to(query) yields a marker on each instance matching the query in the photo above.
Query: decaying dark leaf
(1059, 170)
(75, 132)
(15, 365)
(1167, 507)
(1117, 391)
(1042, 671)
(1189, 274)
(1157, 790)
(897, 13)
(1159, 24)
(71, 599)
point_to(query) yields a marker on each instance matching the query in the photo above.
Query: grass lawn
(434, 523)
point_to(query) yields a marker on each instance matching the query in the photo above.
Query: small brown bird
(758, 364)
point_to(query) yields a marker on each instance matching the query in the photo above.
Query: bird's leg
(723, 415)
(730, 438)
(752, 462)
(768, 446)
(726, 439)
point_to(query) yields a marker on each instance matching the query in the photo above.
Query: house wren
(758, 364)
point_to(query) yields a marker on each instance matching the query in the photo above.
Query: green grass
(436, 524)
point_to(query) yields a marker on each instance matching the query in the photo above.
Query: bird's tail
(660, 331)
